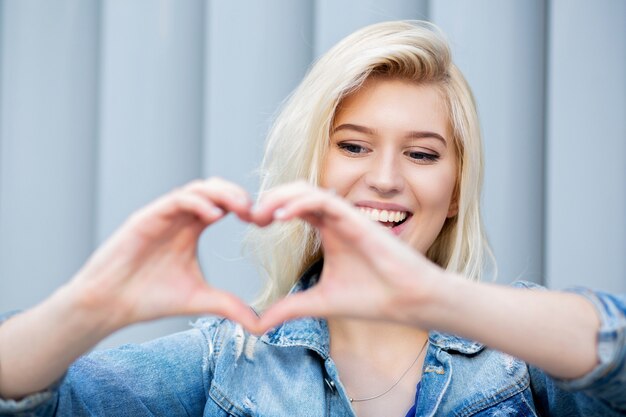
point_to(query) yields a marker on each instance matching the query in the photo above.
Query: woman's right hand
(148, 269)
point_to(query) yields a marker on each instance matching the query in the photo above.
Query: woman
(383, 128)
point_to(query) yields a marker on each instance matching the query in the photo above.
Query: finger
(220, 183)
(322, 209)
(263, 213)
(329, 213)
(227, 195)
(304, 304)
(310, 206)
(176, 204)
(224, 304)
(339, 221)
(207, 212)
(269, 201)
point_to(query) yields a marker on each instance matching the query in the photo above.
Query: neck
(379, 363)
(366, 338)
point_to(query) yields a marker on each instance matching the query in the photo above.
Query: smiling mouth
(388, 218)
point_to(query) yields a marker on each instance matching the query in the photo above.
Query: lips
(392, 216)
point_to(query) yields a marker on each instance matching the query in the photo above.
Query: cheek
(324, 172)
(337, 174)
(436, 190)
(434, 194)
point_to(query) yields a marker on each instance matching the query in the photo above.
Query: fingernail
(216, 211)
(280, 214)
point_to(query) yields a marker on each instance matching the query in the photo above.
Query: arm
(555, 331)
(368, 273)
(146, 270)
(167, 376)
(602, 390)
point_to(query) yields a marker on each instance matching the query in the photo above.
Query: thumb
(214, 301)
(305, 304)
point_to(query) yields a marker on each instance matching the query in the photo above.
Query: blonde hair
(297, 143)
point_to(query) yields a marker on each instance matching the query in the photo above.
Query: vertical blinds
(105, 105)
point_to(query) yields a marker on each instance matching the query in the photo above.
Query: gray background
(105, 105)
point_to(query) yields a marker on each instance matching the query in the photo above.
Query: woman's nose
(384, 175)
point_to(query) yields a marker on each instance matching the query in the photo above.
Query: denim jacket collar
(307, 332)
(313, 333)
(451, 342)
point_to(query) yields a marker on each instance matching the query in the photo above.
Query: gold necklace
(358, 400)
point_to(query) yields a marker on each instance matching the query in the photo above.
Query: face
(391, 155)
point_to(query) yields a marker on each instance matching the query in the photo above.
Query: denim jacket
(216, 369)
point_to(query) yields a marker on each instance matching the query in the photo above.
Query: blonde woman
(357, 318)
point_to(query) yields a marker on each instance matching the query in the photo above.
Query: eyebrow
(413, 134)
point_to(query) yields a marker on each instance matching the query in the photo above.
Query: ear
(453, 209)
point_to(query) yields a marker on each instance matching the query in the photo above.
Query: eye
(422, 157)
(352, 148)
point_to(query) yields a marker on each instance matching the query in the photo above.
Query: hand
(368, 272)
(149, 268)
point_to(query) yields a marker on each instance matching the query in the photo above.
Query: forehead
(395, 102)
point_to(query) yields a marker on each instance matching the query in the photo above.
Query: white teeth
(384, 215)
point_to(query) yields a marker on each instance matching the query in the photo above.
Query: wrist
(440, 296)
(38, 345)
(88, 309)
(421, 298)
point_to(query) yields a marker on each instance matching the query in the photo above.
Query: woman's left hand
(371, 274)
(368, 272)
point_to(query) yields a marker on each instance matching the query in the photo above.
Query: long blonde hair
(298, 141)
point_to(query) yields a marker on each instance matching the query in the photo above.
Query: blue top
(216, 369)
(411, 412)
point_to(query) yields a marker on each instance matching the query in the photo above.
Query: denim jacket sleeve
(167, 376)
(601, 392)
